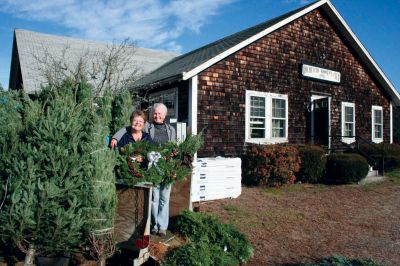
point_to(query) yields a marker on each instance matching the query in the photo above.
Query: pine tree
(62, 179)
(101, 180)
(121, 110)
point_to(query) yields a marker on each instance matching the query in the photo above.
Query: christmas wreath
(144, 162)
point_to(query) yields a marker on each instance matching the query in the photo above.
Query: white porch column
(193, 90)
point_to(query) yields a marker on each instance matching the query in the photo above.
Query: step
(371, 179)
(372, 173)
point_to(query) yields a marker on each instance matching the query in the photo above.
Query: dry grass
(301, 223)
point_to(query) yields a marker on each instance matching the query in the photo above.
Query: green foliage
(342, 261)
(345, 168)
(199, 254)
(173, 166)
(270, 165)
(121, 110)
(313, 162)
(62, 179)
(11, 121)
(385, 154)
(192, 144)
(225, 243)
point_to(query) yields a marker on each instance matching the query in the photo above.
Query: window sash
(267, 117)
(169, 98)
(377, 123)
(348, 122)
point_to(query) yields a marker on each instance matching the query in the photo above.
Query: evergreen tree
(121, 110)
(101, 181)
(62, 180)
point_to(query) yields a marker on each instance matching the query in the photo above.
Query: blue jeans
(160, 206)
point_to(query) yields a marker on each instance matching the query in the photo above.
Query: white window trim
(391, 123)
(268, 115)
(348, 139)
(167, 92)
(375, 108)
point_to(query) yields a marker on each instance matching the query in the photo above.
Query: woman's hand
(113, 143)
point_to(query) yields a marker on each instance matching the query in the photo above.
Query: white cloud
(301, 2)
(151, 23)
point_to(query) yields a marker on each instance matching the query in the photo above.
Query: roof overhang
(159, 83)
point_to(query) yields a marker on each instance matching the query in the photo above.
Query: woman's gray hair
(162, 106)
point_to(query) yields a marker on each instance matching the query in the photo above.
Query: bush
(387, 156)
(313, 161)
(214, 243)
(345, 168)
(270, 165)
(199, 254)
(342, 261)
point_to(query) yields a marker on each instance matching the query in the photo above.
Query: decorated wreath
(166, 163)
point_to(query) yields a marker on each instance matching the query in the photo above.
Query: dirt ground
(301, 223)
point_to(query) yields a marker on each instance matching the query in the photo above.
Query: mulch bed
(301, 223)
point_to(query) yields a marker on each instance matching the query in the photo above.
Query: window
(266, 117)
(377, 124)
(278, 118)
(348, 122)
(169, 98)
(257, 117)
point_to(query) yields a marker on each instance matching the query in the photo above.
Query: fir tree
(61, 172)
(121, 110)
(101, 181)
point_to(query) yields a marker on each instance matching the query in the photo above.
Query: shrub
(199, 254)
(345, 168)
(215, 243)
(342, 261)
(313, 161)
(387, 156)
(270, 165)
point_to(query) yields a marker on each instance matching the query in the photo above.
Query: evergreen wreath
(144, 162)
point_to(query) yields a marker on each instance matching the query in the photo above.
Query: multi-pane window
(257, 117)
(169, 98)
(348, 121)
(377, 123)
(278, 118)
(266, 117)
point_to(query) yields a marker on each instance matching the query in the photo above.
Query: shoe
(162, 232)
(154, 231)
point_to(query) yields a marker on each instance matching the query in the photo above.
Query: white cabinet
(216, 178)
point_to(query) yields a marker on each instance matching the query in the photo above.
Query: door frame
(317, 97)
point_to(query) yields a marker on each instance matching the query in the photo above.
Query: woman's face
(137, 123)
(158, 116)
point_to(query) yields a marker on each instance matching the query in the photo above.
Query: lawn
(301, 223)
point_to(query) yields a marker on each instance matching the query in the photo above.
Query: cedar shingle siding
(271, 64)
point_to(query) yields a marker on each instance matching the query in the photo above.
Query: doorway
(320, 120)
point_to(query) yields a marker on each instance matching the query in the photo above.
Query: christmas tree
(62, 189)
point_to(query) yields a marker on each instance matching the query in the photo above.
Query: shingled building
(303, 77)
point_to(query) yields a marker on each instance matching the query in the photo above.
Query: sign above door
(319, 73)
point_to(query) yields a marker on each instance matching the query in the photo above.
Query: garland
(144, 162)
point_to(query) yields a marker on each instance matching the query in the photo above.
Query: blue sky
(184, 25)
